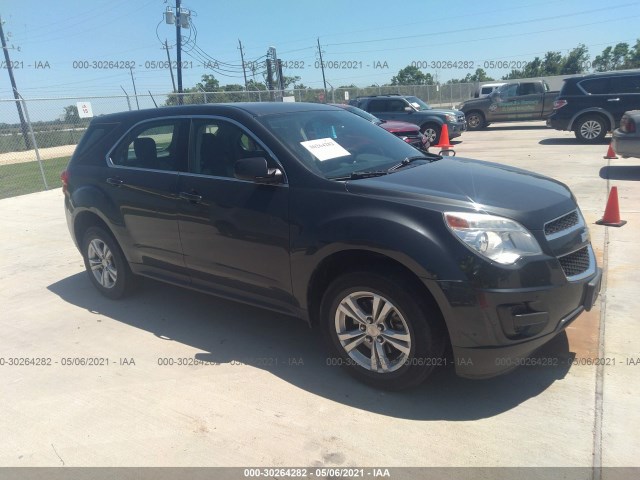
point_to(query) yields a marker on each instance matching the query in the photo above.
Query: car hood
(465, 184)
(442, 111)
(474, 101)
(394, 126)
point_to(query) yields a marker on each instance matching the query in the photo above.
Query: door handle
(191, 197)
(116, 182)
(613, 100)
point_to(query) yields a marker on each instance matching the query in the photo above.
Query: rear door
(235, 233)
(389, 109)
(142, 182)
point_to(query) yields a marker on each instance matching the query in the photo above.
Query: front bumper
(456, 129)
(493, 331)
(626, 144)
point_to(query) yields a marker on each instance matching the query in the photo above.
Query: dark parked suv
(407, 108)
(314, 212)
(592, 105)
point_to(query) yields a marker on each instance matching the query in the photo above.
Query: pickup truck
(512, 102)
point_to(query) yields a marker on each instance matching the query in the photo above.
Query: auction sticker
(324, 149)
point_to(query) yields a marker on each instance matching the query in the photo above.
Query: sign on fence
(84, 109)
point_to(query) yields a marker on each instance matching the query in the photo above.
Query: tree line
(622, 56)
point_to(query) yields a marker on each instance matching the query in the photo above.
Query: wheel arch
(592, 111)
(341, 262)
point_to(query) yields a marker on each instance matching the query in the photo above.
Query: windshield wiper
(430, 157)
(362, 174)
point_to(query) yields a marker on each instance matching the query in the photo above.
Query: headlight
(496, 238)
(451, 118)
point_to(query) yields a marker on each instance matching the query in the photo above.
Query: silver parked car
(626, 138)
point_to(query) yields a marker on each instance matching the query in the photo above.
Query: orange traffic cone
(610, 153)
(444, 144)
(612, 211)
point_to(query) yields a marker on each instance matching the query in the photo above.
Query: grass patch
(22, 178)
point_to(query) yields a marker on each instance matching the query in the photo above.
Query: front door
(235, 233)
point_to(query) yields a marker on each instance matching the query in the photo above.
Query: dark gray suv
(407, 108)
(395, 255)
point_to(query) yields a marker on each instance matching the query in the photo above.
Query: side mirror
(408, 109)
(255, 169)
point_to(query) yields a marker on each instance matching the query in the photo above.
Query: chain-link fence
(38, 135)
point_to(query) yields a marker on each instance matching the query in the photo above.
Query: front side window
(216, 146)
(508, 91)
(627, 84)
(153, 146)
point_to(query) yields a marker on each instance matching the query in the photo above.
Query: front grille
(576, 263)
(461, 117)
(563, 223)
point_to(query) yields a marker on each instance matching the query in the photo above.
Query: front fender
(396, 237)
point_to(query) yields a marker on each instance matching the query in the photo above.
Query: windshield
(335, 144)
(417, 103)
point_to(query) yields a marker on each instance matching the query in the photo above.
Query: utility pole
(23, 124)
(271, 67)
(179, 52)
(322, 67)
(244, 71)
(135, 92)
(173, 82)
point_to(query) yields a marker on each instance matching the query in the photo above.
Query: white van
(486, 89)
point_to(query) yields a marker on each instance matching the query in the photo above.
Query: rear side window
(154, 145)
(630, 84)
(94, 134)
(379, 106)
(596, 86)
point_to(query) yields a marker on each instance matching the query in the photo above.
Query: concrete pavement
(266, 396)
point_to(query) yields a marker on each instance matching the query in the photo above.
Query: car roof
(618, 73)
(255, 109)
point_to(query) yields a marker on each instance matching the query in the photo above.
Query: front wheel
(475, 121)
(432, 132)
(382, 330)
(105, 263)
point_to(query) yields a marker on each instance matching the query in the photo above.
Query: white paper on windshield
(416, 105)
(324, 149)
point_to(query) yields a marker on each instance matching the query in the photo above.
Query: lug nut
(380, 340)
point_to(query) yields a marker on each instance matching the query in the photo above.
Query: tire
(591, 129)
(475, 120)
(106, 265)
(402, 357)
(432, 132)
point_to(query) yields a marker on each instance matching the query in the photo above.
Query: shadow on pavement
(619, 172)
(572, 141)
(228, 332)
(516, 127)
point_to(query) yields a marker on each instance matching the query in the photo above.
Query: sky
(63, 48)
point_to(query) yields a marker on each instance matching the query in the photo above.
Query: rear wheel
(105, 263)
(591, 129)
(475, 121)
(381, 330)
